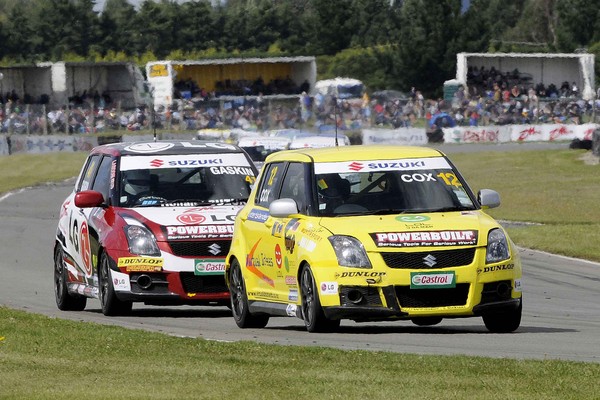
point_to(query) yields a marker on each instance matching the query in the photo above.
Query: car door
(98, 228)
(82, 240)
(77, 241)
(283, 240)
(259, 229)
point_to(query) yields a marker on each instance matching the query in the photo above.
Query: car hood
(184, 223)
(466, 228)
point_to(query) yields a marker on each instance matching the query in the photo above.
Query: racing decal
(209, 266)
(140, 264)
(409, 164)
(232, 171)
(432, 280)
(361, 274)
(291, 280)
(449, 179)
(253, 263)
(412, 218)
(185, 160)
(148, 147)
(495, 268)
(290, 234)
(191, 218)
(120, 281)
(293, 296)
(264, 295)
(113, 174)
(419, 226)
(257, 215)
(313, 233)
(307, 244)
(518, 285)
(272, 176)
(277, 229)
(328, 288)
(185, 232)
(278, 259)
(425, 238)
(85, 250)
(216, 145)
(410, 178)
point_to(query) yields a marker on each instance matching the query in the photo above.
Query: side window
(102, 182)
(269, 184)
(293, 186)
(88, 174)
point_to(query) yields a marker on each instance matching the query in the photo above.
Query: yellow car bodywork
(424, 266)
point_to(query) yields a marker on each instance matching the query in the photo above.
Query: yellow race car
(370, 233)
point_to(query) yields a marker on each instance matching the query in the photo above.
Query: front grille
(204, 248)
(203, 283)
(410, 298)
(435, 259)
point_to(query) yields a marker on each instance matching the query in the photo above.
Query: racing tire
(504, 322)
(312, 312)
(426, 321)
(64, 300)
(239, 301)
(111, 305)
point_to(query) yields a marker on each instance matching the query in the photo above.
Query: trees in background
(387, 44)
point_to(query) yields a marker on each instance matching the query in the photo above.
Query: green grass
(559, 189)
(44, 358)
(22, 170)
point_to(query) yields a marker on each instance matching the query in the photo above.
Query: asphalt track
(561, 316)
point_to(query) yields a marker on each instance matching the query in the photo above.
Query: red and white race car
(150, 222)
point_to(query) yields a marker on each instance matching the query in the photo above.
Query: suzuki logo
(430, 260)
(156, 163)
(355, 166)
(214, 249)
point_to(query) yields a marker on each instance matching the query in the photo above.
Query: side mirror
(488, 198)
(89, 199)
(283, 208)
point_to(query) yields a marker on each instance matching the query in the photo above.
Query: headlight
(350, 252)
(141, 241)
(497, 248)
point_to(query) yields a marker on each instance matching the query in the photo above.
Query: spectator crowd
(492, 99)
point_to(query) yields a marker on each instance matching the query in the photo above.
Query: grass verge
(23, 170)
(44, 358)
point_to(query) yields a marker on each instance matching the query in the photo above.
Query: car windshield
(191, 186)
(391, 192)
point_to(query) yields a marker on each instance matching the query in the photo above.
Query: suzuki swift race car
(370, 233)
(150, 222)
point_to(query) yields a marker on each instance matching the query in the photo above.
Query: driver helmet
(136, 181)
(333, 186)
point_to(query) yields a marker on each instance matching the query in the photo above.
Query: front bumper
(175, 288)
(368, 303)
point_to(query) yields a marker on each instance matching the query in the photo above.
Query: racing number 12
(449, 178)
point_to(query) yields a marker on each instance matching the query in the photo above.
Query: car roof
(354, 153)
(166, 147)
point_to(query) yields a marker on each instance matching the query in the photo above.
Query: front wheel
(239, 301)
(64, 300)
(312, 312)
(504, 322)
(111, 305)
